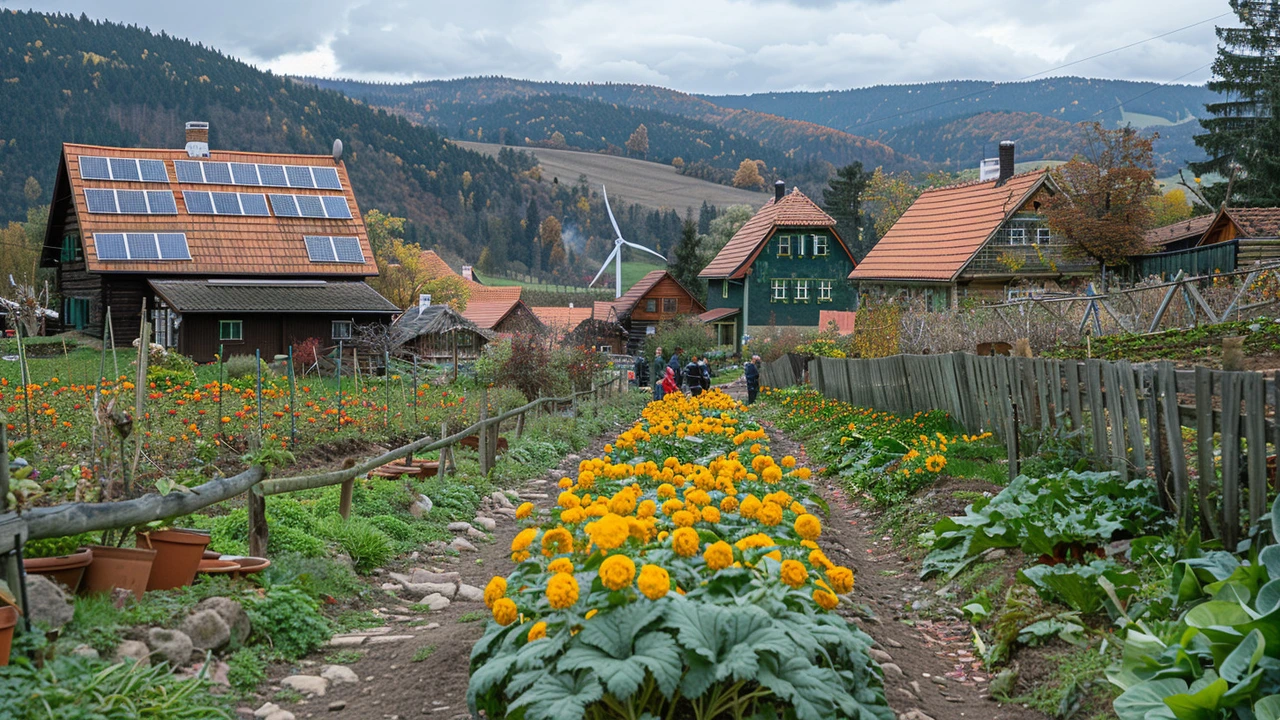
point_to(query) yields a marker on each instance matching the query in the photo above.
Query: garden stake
(115, 360)
(415, 389)
(338, 372)
(293, 401)
(221, 348)
(257, 354)
(386, 388)
(26, 378)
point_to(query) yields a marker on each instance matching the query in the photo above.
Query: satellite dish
(337, 150)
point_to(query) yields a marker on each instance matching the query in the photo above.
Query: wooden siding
(520, 320)
(666, 288)
(271, 333)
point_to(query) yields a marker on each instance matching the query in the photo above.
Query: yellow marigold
(710, 514)
(568, 500)
(841, 579)
(586, 479)
(494, 591)
(719, 555)
(672, 506)
(749, 507)
(519, 556)
(524, 511)
(609, 532)
(754, 449)
(935, 463)
(572, 516)
(802, 473)
(827, 600)
(523, 539)
(793, 573)
(560, 565)
(729, 504)
(564, 483)
(685, 541)
(646, 508)
(770, 514)
(817, 558)
(771, 474)
(623, 503)
(808, 526)
(538, 631)
(505, 611)
(557, 541)
(562, 591)
(666, 490)
(760, 462)
(797, 508)
(617, 571)
(654, 582)
(683, 518)
(788, 462)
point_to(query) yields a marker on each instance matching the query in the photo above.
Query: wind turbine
(616, 255)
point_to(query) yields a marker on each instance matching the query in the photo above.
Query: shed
(439, 333)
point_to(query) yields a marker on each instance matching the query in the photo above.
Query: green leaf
(1217, 614)
(488, 675)
(1201, 704)
(1268, 597)
(1145, 701)
(797, 681)
(615, 632)
(1244, 658)
(1268, 708)
(1270, 559)
(559, 697)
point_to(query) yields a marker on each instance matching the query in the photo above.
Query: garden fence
(1203, 434)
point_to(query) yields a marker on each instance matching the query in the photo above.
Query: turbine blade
(617, 232)
(604, 267)
(654, 253)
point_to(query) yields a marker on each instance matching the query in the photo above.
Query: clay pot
(113, 567)
(8, 618)
(248, 565)
(218, 567)
(178, 554)
(66, 570)
(210, 555)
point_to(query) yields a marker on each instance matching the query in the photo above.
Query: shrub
(241, 367)
(289, 620)
(368, 546)
(305, 354)
(488, 367)
(284, 538)
(318, 577)
(683, 331)
(584, 364)
(53, 547)
(289, 512)
(528, 369)
(77, 688)
(246, 669)
(394, 527)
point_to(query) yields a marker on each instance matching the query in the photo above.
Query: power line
(1149, 91)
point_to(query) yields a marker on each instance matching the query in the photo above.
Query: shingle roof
(561, 318)
(943, 229)
(718, 314)
(794, 210)
(432, 320)
(1181, 230)
(248, 296)
(487, 315)
(218, 244)
(601, 309)
(1256, 222)
(435, 267)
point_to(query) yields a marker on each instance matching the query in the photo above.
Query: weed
(344, 657)
(287, 695)
(246, 669)
(472, 616)
(357, 620)
(422, 653)
(1075, 683)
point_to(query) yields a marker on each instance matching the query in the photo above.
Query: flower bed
(677, 575)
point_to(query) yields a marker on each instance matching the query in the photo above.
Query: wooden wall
(666, 288)
(271, 333)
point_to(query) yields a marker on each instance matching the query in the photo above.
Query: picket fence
(1207, 436)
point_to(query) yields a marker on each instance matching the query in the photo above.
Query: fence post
(445, 456)
(258, 534)
(344, 499)
(1011, 443)
(520, 426)
(483, 435)
(293, 401)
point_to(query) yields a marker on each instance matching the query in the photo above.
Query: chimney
(198, 139)
(779, 189)
(1006, 162)
(466, 272)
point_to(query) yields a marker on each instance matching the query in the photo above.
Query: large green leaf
(655, 652)
(1145, 701)
(487, 676)
(1268, 708)
(560, 696)
(1219, 620)
(1200, 703)
(615, 632)
(1270, 559)
(1268, 597)
(1244, 658)
(804, 686)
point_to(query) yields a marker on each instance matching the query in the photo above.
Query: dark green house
(779, 270)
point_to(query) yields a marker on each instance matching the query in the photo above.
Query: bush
(584, 364)
(241, 367)
(284, 538)
(289, 620)
(53, 547)
(684, 331)
(305, 354)
(394, 527)
(77, 688)
(289, 512)
(488, 367)
(318, 577)
(368, 546)
(529, 369)
(246, 669)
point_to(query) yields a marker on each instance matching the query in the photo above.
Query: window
(802, 289)
(824, 291)
(784, 246)
(1017, 236)
(724, 288)
(342, 329)
(76, 313)
(801, 245)
(1042, 236)
(72, 251)
(779, 289)
(819, 245)
(231, 330)
(651, 306)
(605, 349)
(669, 305)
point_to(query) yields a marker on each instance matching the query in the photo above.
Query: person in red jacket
(669, 382)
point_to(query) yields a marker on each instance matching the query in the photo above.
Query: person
(752, 373)
(706, 373)
(693, 376)
(656, 370)
(669, 382)
(675, 365)
(641, 370)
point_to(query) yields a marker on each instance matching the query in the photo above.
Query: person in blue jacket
(752, 373)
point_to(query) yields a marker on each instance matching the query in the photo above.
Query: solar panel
(162, 202)
(327, 178)
(197, 202)
(254, 204)
(217, 172)
(132, 202)
(273, 175)
(153, 171)
(245, 173)
(335, 206)
(299, 176)
(124, 169)
(173, 246)
(94, 168)
(310, 206)
(226, 203)
(348, 249)
(142, 246)
(284, 206)
(319, 248)
(188, 171)
(110, 246)
(100, 201)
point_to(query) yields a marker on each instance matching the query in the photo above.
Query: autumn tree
(19, 256)
(402, 276)
(32, 191)
(638, 143)
(381, 229)
(887, 196)
(687, 262)
(1169, 208)
(1104, 210)
(723, 227)
(551, 242)
(748, 175)
(842, 199)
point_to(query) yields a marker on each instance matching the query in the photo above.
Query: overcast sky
(708, 46)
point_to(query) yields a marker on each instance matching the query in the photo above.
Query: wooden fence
(1208, 437)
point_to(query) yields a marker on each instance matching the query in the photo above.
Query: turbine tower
(616, 256)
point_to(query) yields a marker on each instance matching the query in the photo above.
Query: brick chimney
(198, 139)
(1006, 162)
(779, 189)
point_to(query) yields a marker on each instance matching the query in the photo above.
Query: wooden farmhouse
(986, 238)
(503, 317)
(234, 250)
(1256, 232)
(573, 327)
(656, 297)
(782, 267)
(438, 334)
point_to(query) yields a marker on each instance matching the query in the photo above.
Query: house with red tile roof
(1181, 235)
(234, 250)
(971, 239)
(503, 317)
(1256, 231)
(782, 267)
(434, 267)
(656, 297)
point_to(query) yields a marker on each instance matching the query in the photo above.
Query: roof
(488, 315)
(718, 314)
(1181, 230)
(600, 310)
(845, 320)
(794, 210)
(265, 296)
(435, 267)
(218, 244)
(944, 228)
(561, 317)
(632, 297)
(1256, 222)
(432, 320)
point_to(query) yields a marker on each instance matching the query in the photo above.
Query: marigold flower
(538, 631)
(494, 591)
(808, 526)
(710, 514)
(771, 474)
(788, 462)
(719, 555)
(557, 541)
(505, 611)
(729, 504)
(654, 582)
(793, 573)
(749, 507)
(841, 579)
(560, 565)
(617, 571)
(770, 514)
(646, 508)
(685, 541)
(524, 511)
(683, 518)
(562, 591)
(935, 463)
(827, 600)
(523, 539)
(609, 532)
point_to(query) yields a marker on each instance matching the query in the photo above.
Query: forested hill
(68, 78)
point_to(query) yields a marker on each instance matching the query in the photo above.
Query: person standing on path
(675, 365)
(657, 370)
(706, 373)
(669, 382)
(752, 374)
(693, 376)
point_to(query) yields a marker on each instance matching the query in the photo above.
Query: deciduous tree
(638, 143)
(748, 175)
(1170, 208)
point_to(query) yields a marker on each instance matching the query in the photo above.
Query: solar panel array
(328, 248)
(131, 169)
(141, 246)
(260, 174)
(203, 202)
(130, 202)
(311, 206)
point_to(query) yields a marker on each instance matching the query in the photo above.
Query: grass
(1077, 683)
(422, 653)
(727, 375)
(632, 271)
(344, 657)
(472, 616)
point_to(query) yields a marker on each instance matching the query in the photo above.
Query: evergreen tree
(843, 201)
(532, 223)
(706, 214)
(687, 262)
(1241, 134)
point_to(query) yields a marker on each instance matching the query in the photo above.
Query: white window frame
(1043, 236)
(238, 325)
(1017, 236)
(802, 290)
(724, 288)
(607, 349)
(784, 246)
(350, 329)
(824, 291)
(803, 243)
(819, 245)
(779, 290)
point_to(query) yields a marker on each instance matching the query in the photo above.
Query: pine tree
(687, 263)
(706, 214)
(1246, 123)
(843, 201)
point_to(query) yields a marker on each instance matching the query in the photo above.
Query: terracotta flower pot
(218, 567)
(178, 554)
(66, 570)
(248, 565)
(114, 567)
(8, 618)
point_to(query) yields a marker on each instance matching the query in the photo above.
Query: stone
(339, 674)
(134, 650)
(469, 593)
(307, 684)
(207, 630)
(47, 603)
(426, 576)
(390, 587)
(85, 651)
(172, 646)
(423, 589)
(485, 522)
(501, 498)
(1003, 684)
(915, 714)
(337, 705)
(880, 656)
(266, 709)
(475, 534)
(891, 670)
(281, 715)
(458, 527)
(461, 544)
(435, 601)
(505, 512)
(232, 613)
(387, 639)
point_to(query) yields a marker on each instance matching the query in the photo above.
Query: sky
(703, 46)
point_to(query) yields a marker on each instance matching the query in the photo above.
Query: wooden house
(1256, 231)
(656, 297)
(438, 334)
(574, 326)
(243, 251)
(1182, 235)
(986, 238)
(781, 268)
(503, 317)
(434, 267)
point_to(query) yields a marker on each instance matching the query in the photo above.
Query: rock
(501, 498)
(475, 534)
(232, 613)
(461, 544)
(134, 650)
(83, 650)
(47, 603)
(458, 527)
(422, 589)
(307, 684)
(266, 709)
(994, 554)
(421, 507)
(505, 512)
(435, 601)
(469, 593)
(1002, 684)
(390, 587)
(425, 576)
(337, 705)
(344, 560)
(339, 674)
(880, 656)
(216, 672)
(172, 646)
(915, 714)
(280, 715)
(891, 669)
(207, 630)
(485, 522)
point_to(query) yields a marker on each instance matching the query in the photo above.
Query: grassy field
(631, 274)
